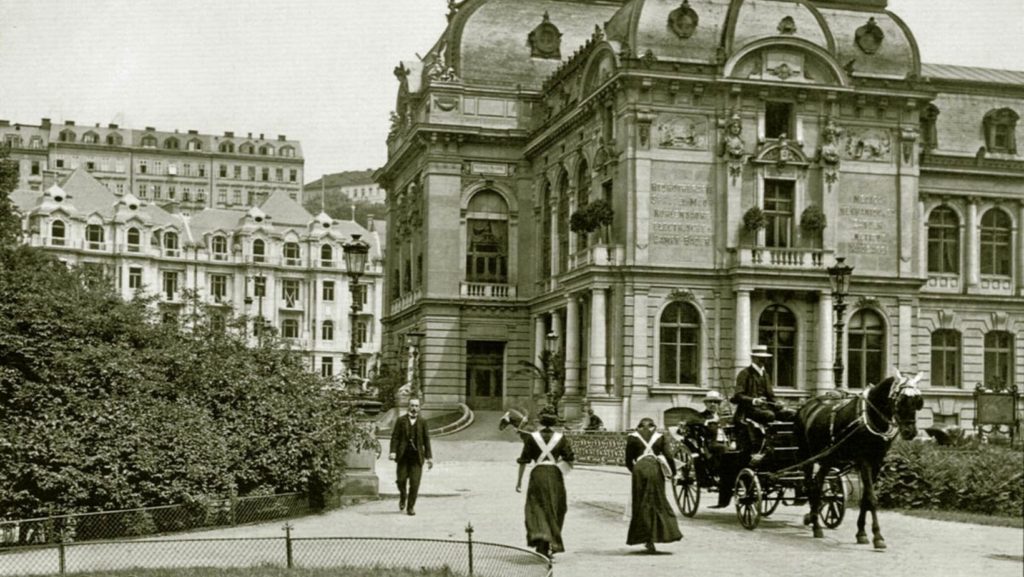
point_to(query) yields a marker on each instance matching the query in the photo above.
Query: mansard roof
(282, 210)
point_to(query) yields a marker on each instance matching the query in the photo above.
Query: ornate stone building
(742, 147)
(191, 169)
(274, 262)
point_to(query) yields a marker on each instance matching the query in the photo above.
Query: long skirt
(545, 508)
(653, 520)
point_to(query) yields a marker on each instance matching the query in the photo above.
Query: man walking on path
(410, 447)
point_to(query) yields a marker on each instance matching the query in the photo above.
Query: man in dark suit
(410, 447)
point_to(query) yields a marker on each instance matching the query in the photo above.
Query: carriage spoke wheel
(833, 500)
(748, 499)
(772, 499)
(685, 486)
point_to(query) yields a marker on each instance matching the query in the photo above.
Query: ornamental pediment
(781, 152)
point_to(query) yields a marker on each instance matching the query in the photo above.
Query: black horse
(855, 431)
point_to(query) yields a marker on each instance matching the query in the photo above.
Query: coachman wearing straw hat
(755, 401)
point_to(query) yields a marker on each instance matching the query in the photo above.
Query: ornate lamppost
(552, 370)
(356, 252)
(839, 276)
(412, 343)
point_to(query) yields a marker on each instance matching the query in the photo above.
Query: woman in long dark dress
(545, 495)
(653, 520)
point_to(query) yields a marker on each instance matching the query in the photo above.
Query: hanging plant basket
(813, 219)
(591, 217)
(754, 219)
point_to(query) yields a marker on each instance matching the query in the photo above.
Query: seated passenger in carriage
(714, 442)
(755, 404)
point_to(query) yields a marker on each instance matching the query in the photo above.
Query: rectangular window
(327, 366)
(293, 175)
(120, 188)
(252, 173)
(219, 287)
(172, 168)
(222, 196)
(156, 192)
(259, 286)
(143, 167)
(158, 167)
(999, 353)
(328, 294)
(361, 333)
(279, 175)
(236, 197)
(778, 119)
(202, 170)
(945, 358)
(186, 193)
(135, 278)
(327, 331)
(290, 328)
(486, 253)
(59, 162)
(170, 284)
(35, 168)
(265, 174)
(171, 192)
(290, 291)
(778, 207)
(238, 172)
(223, 171)
(142, 190)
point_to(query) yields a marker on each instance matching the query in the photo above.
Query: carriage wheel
(748, 499)
(772, 499)
(833, 500)
(685, 486)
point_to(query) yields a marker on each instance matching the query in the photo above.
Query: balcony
(598, 255)
(98, 246)
(220, 256)
(487, 291)
(289, 261)
(405, 301)
(781, 258)
(172, 253)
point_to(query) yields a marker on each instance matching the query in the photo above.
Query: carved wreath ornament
(683, 20)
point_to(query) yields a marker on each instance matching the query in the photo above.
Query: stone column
(741, 340)
(596, 375)
(641, 362)
(824, 377)
(572, 347)
(538, 348)
(971, 244)
(905, 358)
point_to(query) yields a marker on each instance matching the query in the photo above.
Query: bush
(974, 478)
(754, 219)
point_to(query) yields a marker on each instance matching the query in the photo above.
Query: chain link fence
(460, 558)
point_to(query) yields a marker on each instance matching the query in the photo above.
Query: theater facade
(648, 188)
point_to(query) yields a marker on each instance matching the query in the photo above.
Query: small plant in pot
(813, 221)
(754, 220)
(591, 216)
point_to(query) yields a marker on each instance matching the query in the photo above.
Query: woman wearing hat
(545, 495)
(652, 518)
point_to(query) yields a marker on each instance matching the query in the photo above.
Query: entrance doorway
(485, 375)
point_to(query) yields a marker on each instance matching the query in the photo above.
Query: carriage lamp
(839, 275)
(355, 252)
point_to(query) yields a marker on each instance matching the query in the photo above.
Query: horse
(855, 431)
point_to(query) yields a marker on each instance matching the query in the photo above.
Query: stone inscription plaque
(870, 220)
(680, 215)
(598, 448)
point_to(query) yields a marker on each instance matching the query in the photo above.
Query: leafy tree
(10, 226)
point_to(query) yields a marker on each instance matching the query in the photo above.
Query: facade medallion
(545, 40)
(869, 37)
(446, 103)
(683, 20)
(682, 132)
(870, 144)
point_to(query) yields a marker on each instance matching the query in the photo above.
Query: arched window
(288, 151)
(149, 141)
(194, 144)
(134, 240)
(679, 345)
(996, 231)
(172, 144)
(999, 353)
(943, 241)
(290, 328)
(945, 358)
(259, 250)
(266, 150)
(1001, 131)
(171, 243)
(291, 254)
(582, 198)
(487, 238)
(219, 246)
(91, 138)
(777, 330)
(545, 234)
(114, 139)
(57, 233)
(327, 331)
(247, 148)
(66, 135)
(227, 147)
(94, 236)
(563, 222)
(866, 344)
(326, 256)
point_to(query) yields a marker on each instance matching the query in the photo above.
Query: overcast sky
(319, 71)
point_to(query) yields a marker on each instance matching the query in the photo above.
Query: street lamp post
(412, 342)
(554, 393)
(839, 276)
(356, 252)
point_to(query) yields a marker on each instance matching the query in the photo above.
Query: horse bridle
(906, 387)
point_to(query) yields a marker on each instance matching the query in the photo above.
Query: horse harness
(546, 457)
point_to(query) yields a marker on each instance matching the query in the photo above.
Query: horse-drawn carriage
(761, 485)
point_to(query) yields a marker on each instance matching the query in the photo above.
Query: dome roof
(754, 20)
(648, 25)
(877, 43)
(489, 41)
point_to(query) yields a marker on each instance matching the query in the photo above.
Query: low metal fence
(459, 558)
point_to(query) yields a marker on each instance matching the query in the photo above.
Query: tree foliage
(105, 407)
(10, 227)
(339, 207)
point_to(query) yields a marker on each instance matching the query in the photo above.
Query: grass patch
(964, 517)
(268, 571)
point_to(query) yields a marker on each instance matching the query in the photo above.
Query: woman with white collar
(653, 520)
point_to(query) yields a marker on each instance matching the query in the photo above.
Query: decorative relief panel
(868, 144)
(682, 132)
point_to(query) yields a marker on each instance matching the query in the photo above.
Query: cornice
(979, 165)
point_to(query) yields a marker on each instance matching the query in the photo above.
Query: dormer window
(114, 139)
(194, 144)
(291, 254)
(57, 233)
(172, 144)
(778, 119)
(220, 248)
(227, 147)
(149, 141)
(134, 240)
(90, 138)
(259, 249)
(1001, 131)
(67, 136)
